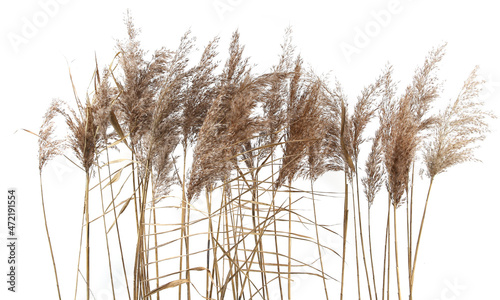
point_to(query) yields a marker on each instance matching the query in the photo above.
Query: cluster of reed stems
(206, 160)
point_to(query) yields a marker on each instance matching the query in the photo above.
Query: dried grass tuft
(48, 147)
(458, 129)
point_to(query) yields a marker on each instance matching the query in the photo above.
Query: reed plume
(48, 148)
(453, 138)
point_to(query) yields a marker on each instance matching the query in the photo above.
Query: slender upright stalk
(87, 221)
(409, 212)
(396, 251)
(344, 237)
(48, 236)
(106, 234)
(317, 238)
(289, 239)
(80, 249)
(356, 241)
(370, 247)
(117, 227)
(260, 247)
(387, 251)
(184, 229)
(411, 233)
(419, 236)
(273, 207)
(156, 249)
(361, 235)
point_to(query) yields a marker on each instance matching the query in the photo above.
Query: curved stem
(419, 236)
(48, 237)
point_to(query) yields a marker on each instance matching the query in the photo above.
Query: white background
(461, 242)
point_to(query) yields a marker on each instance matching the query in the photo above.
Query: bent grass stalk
(419, 236)
(48, 236)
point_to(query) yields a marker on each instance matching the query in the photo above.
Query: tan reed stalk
(117, 226)
(344, 234)
(396, 251)
(134, 187)
(232, 266)
(458, 128)
(273, 207)
(409, 216)
(371, 254)
(48, 236)
(106, 232)
(216, 246)
(419, 236)
(210, 237)
(183, 218)
(242, 229)
(47, 149)
(356, 240)
(387, 252)
(361, 232)
(208, 281)
(156, 249)
(79, 250)
(256, 221)
(87, 180)
(317, 239)
(289, 239)
(234, 230)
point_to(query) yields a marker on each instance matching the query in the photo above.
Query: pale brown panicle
(457, 129)
(48, 147)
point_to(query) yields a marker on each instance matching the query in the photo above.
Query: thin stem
(273, 207)
(80, 249)
(289, 239)
(356, 241)
(411, 231)
(117, 226)
(387, 251)
(258, 242)
(385, 256)
(87, 179)
(183, 221)
(361, 234)
(317, 239)
(48, 236)
(396, 251)
(344, 237)
(156, 248)
(106, 234)
(370, 246)
(419, 236)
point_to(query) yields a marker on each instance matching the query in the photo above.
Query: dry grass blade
(169, 285)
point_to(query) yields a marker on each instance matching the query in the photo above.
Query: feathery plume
(458, 128)
(48, 147)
